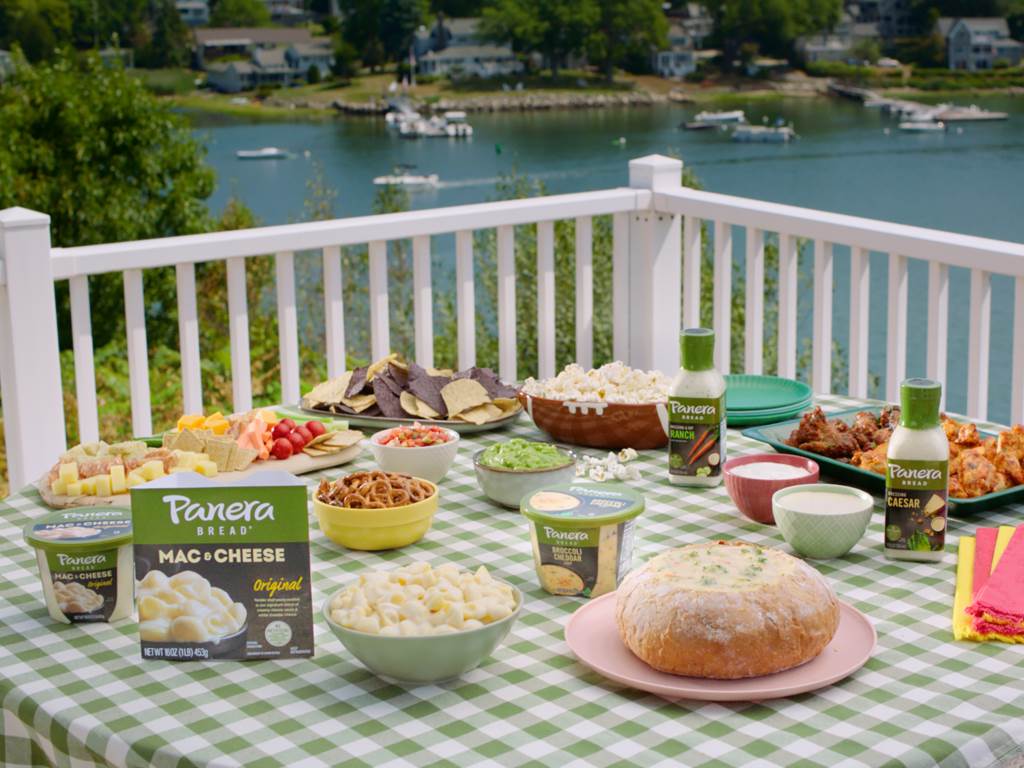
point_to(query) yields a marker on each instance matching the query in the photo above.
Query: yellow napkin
(963, 623)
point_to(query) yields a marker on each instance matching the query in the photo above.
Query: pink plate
(593, 636)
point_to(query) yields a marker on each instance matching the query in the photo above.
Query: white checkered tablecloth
(81, 695)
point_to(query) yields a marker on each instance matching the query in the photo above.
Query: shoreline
(325, 104)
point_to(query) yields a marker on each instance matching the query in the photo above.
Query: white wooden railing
(656, 278)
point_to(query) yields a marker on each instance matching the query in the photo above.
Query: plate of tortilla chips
(392, 391)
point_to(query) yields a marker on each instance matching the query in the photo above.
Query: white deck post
(655, 274)
(33, 403)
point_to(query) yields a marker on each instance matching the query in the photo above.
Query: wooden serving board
(301, 464)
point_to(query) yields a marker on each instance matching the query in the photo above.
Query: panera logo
(183, 510)
(554, 533)
(899, 472)
(679, 409)
(80, 560)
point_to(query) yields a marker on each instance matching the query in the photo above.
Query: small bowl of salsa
(509, 470)
(752, 480)
(420, 450)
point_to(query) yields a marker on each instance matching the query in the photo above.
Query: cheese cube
(117, 479)
(69, 472)
(207, 468)
(88, 486)
(74, 489)
(151, 470)
(59, 487)
(178, 470)
(134, 478)
(217, 426)
(190, 421)
(103, 485)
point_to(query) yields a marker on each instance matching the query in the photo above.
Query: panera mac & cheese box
(222, 570)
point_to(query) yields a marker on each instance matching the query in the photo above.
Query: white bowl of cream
(822, 521)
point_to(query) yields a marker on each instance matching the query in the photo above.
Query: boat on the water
(719, 118)
(769, 134)
(264, 153)
(455, 124)
(694, 125)
(973, 113)
(402, 177)
(922, 126)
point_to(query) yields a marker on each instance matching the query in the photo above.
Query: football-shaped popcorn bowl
(600, 424)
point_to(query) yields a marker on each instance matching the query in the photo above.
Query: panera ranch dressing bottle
(917, 476)
(696, 413)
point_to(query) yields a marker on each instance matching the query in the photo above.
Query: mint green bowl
(427, 659)
(824, 534)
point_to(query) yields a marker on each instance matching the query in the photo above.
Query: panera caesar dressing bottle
(696, 413)
(917, 476)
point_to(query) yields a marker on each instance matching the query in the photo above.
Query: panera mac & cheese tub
(582, 535)
(85, 563)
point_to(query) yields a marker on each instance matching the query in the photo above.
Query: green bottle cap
(697, 349)
(919, 403)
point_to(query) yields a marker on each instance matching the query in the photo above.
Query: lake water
(965, 181)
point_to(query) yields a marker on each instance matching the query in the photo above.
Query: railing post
(655, 275)
(33, 403)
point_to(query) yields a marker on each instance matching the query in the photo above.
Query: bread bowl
(725, 610)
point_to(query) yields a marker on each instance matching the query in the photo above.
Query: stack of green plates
(752, 400)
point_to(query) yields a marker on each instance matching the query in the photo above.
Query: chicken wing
(819, 435)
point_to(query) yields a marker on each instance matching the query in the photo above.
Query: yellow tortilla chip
(417, 407)
(379, 366)
(481, 414)
(359, 403)
(507, 404)
(460, 395)
(446, 372)
(330, 391)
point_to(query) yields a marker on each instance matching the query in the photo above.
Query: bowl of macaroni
(418, 624)
(612, 407)
(371, 511)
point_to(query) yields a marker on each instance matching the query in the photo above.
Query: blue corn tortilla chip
(489, 380)
(357, 383)
(387, 400)
(428, 389)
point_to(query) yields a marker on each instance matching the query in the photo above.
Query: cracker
(189, 440)
(344, 438)
(460, 395)
(242, 458)
(220, 454)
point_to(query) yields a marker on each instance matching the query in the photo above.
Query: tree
(89, 146)
(346, 59)
(240, 13)
(398, 21)
(555, 28)
(361, 29)
(313, 74)
(168, 46)
(773, 24)
(38, 27)
(866, 50)
(626, 26)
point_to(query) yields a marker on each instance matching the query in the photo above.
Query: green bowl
(427, 659)
(825, 534)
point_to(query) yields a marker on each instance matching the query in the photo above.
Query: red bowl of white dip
(752, 481)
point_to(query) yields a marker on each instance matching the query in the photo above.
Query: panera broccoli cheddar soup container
(582, 535)
(85, 563)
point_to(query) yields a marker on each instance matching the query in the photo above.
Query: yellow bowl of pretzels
(375, 510)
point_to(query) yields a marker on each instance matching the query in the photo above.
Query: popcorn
(611, 383)
(613, 466)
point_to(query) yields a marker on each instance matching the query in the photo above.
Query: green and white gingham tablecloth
(80, 695)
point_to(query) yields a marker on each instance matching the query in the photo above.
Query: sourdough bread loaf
(725, 610)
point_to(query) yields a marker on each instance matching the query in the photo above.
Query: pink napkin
(999, 605)
(984, 549)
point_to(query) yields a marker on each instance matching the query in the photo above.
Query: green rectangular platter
(776, 434)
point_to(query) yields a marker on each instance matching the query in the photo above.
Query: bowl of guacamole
(509, 470)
